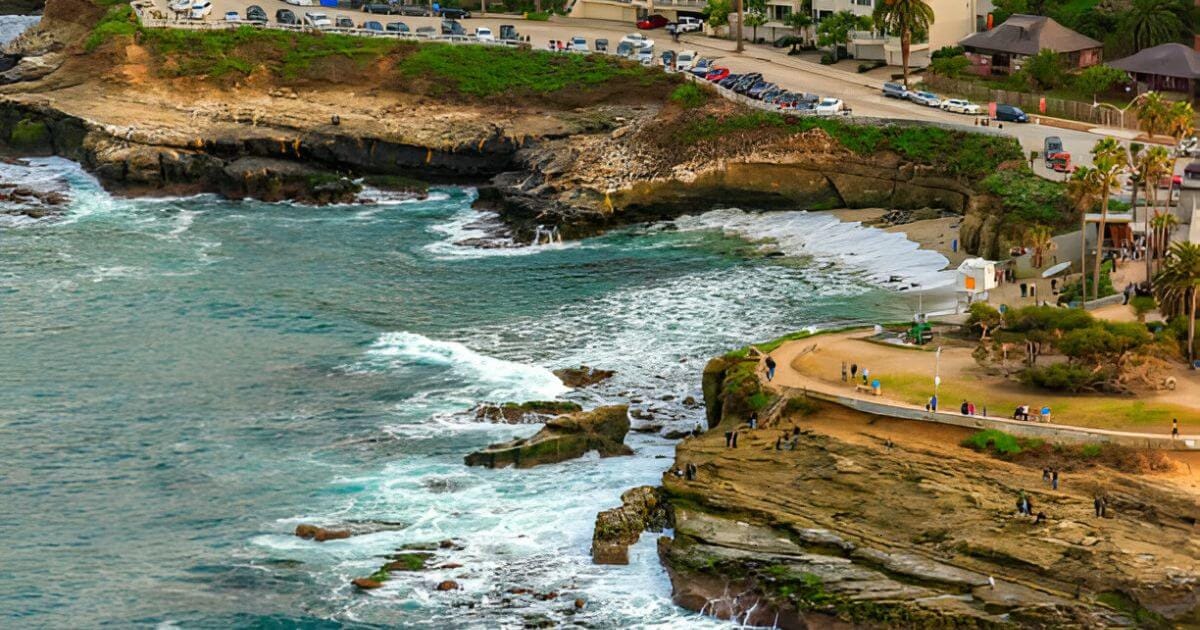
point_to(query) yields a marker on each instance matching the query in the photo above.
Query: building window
(864, 3)
(781, 12)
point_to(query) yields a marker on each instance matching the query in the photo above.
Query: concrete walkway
(854, 398)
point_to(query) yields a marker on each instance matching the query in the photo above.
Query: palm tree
(1152, 165)
(1081, 191)
(904, 17)
(1177, 287)
(1163, 223)
(1040, 239)
(1109, 160)
(798, 21)
(1151, 22)
(1152, 114)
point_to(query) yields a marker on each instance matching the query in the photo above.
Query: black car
(396, 27)
(449, 13)
(450, 27)
(255, 13)
(413, 9)
(746, 82)
(285, 16)
(1011, 114)
(384, 9)
(728, 81)
(342, 21)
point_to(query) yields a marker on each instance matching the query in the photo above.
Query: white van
(200, 9)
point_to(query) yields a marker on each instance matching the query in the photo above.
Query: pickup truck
(686, 25)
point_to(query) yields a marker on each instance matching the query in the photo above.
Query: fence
(1031, 103)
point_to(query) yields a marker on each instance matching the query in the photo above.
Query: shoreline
(934, 235)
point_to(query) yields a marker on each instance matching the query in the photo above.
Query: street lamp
(937, 368)
(1121, 110)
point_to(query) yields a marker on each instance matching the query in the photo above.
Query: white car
(300, 3)
(317, 19)
(685, 59)
(484, 34)
(645, 55)
(637, 40)
(829, 106)
(686, 25)
(578, 44)
(200, 10)
(232, 16)
(960, 106)
(928, 99)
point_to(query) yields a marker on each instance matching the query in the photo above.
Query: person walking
(735, 434)
(1046, 473)
(964, 408)
(770, 368)
(1098, 504)
(754, 420)
(853, 370)
(971, 409)
(844, 371)
(1174, 428)
(1054, 479)
(866, 373)
(728, 439)
(933, 403)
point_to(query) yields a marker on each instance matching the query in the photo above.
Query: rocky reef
(566, 437)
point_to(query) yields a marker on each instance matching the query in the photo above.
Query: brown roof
(1027, 35)
(1168, 60)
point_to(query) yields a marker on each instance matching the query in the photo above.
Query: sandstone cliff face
(566, 437)
(817, 520)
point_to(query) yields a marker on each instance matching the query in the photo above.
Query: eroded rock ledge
(566, 437)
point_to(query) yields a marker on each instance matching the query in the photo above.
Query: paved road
(860, 92)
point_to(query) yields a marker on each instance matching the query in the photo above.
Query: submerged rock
(583, 376)
(366, 584)
(447, 585)
(602, 429)
(320, 534)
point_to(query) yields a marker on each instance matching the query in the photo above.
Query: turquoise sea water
(185, 380)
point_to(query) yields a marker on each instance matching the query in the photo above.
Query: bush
(1047, 319)
(1072, 293)
(28, 133)
(1067, 377)
(118, 22)
(951, 67)
(689, 96)
(534, 16)
(801, 405)
(1027, 199)
(1142, 304)
(871, 65)
(828, 59)
(946, 52)
(991, 440)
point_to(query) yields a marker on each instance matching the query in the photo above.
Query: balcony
(867, 38)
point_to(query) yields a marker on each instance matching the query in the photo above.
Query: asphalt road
(860, 92)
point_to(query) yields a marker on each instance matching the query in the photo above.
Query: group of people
(968, 408)
(851, 372)
(1022, 412)
(1050, 475)
(1025, 507)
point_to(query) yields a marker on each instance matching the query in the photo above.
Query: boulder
(415, 561)
(320, 534)
(583, 376)
(566, 437)
(366, 584)
(535, 411)
(447, 585)
(642, 508)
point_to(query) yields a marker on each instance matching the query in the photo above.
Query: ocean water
(183, 381)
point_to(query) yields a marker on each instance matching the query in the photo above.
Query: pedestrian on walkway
(770, 368)
(1046, 474)
(865, 373)
(754, 420)
(1174, 428)
(964, 408)
(844, 370)
(1054, 479)
(971, 409)
(932, 406)
(1041, 518)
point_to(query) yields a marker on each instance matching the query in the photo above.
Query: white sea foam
(469, 224)
(881, 255)
(13, 25)
(494, 379)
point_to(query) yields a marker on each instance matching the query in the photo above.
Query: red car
(653, 21)
(716, 74)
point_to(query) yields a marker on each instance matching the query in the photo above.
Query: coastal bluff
(566, 437)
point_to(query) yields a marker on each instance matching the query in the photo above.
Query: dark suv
(448, 13)
(1011, 114)
(383, 9)
(285, 16)
(255, 13)
(413, 9)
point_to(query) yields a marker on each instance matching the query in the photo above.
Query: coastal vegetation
(1067, 457)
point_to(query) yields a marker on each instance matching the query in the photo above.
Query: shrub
(1142, 304)
(1047, 319)
(1072, 293)
(1026, 199)
(119, 21)
(28, 133)
(992, 440)
(1067, 377)
(801, 405)
(689, 96)
(983, 316)
(871, 65)
(535, 16)
(947, 51)
(951, 67)
(828, 59)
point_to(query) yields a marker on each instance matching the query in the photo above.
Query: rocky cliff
(824, 517)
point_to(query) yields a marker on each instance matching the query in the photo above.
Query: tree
(905, 17)
(1162, 224)
(1177, 287)
(835, 30)
(1081, 191)
(718, 13)
(798, 21)
(755, 19)
(1040, 239)
(1045, 70)
(1152, 114)
(951, 67)
(1152, 165)
(1004, 9)
(741, 47)
(1109, 160)
(1097, 79)
(985, 317)
(1150, 23)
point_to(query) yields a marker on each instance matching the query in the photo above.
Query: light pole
(1121, 110)
(937, 368)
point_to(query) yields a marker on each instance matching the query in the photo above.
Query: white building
(953, 20)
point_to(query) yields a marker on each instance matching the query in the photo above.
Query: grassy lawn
(1098, 411)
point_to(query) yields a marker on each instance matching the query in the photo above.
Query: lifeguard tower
(975, 277)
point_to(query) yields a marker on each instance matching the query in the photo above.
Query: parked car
(255, 13)
(232, 16)
(637, 39)
(508, 32)
(760, 88)
(770, 93)
(686, 24)
(1009, 113)
(1191, 175)
(928, 99)
(373, 26)
(729, 80)
(717, 74)
(601, 45)
(895, 90)
(747, 81)
(1052, 145)
(1188, 147)
(341, 21)
(200, 9)
(579, 44)
(285, 16)
(685, 59)
(701, 67)
(668, 58)
(316, 19)
(426, 31)
(413, 9)
(652, 21)
(450, 13)
(484, 34)
(384, 8)
(645, 55)
(830, 106)
(450, 27)
(300, 3)
(396, 27)
(960, 106)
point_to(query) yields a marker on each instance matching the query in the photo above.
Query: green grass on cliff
(119, 21)
(1027, 199)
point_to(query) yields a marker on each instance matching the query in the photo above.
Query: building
(954, 20)
(1003, 49)
(1164, 68)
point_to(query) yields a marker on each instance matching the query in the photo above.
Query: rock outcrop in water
(816, 519)
(642, 509)
(566, 437)
(534, 411)
(583, 376)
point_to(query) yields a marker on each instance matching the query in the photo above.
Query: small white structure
(975, 277)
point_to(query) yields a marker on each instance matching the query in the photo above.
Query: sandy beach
(932, 234)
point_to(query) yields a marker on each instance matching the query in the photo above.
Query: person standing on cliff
(754, 420)
(866, 373)
(770, 368)
(843, 371)
(853, 370)
(1174, 428)
(1054, 479)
